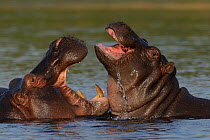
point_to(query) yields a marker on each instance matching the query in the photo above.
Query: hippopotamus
(44, 94)
(142, 83)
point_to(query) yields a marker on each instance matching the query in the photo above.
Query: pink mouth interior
(116, 50)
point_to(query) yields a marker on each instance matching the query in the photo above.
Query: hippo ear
(167, 68)
(21, 102)
(20, 99)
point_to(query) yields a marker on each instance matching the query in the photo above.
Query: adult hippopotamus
(43, 94)
(141, 82)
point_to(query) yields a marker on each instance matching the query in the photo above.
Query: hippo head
(132, 59)
(43, 94)
(134, 67)
(62, 54)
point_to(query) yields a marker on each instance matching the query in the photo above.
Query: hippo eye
(153, 53)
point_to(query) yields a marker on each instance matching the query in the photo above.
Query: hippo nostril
(154, 54)
(32, 80)
(125, 50)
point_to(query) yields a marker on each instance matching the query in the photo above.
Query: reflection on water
(95, 129)
(182, 36)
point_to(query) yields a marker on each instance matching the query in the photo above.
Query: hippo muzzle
(62, 54)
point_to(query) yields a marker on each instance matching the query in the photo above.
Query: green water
(182, 35)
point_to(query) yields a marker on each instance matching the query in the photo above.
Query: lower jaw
(114, 56)
(108, 53)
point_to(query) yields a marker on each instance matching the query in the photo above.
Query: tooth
(81, 94)
(99, 91)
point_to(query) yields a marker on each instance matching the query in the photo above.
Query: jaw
(114, 52)
(62, 54)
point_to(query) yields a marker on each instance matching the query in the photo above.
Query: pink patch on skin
(58, 42)
(112, 33)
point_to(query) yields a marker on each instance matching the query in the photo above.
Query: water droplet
(124, 108)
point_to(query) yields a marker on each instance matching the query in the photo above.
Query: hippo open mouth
(115, 51)
(62, 54)
(61, 78)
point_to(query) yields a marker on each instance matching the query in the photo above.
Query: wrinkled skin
(43, 94)
(141, 82)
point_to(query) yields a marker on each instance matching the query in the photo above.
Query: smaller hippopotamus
(142, 84)
(43, 94)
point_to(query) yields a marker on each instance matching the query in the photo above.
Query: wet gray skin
(141, 81)
(43, 94)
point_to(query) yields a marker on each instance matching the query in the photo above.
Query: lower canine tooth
(99, 91)
(81, 94)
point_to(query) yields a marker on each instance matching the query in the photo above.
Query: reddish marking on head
(58, 41)
(112, 33)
